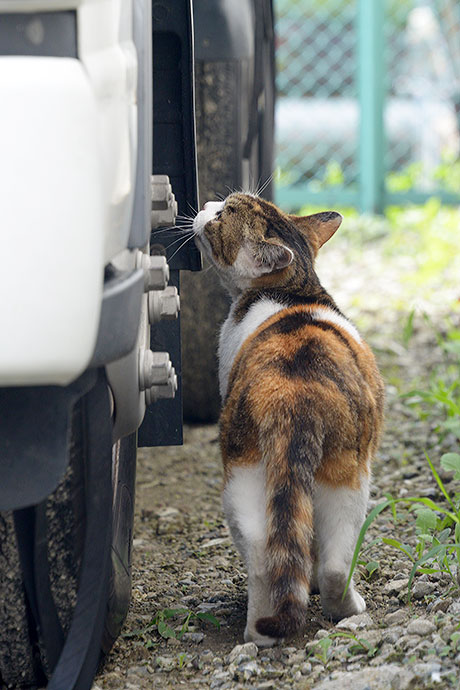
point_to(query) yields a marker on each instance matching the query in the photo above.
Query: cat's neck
(246, 299)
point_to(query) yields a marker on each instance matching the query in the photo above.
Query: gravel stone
(166, 663)
(421, 626)
(388, 677)
(396, 617)
(242, 652)
(353, 623)
(170, 521)
(247, 670)
(454, 608)
(422, 589)
(196, 637)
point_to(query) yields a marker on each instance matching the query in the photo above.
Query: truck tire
(24, 662)
(232, 152)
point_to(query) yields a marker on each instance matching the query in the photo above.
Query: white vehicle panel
(53, 212)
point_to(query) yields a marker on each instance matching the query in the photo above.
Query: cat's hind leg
(244, 501)
(339, 513)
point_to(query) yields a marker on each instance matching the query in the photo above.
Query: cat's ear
(271, 256)
(320, 226)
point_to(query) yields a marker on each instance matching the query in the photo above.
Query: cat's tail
(289, 487)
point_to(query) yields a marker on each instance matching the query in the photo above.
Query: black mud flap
(34, 434)
(174, 155)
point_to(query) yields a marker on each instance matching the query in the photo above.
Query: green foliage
(448, 173)
(421, 241)
(360, 646)
(405, 179)
(320, 649)
(164, 619)
(408, 328)
(437, 523)
(324, 650)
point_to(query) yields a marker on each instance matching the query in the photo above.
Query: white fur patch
(331, 316)
(245, 510)
(233, 335)
(245, 502)
(338, 516)
(245, 266)
(210, 210)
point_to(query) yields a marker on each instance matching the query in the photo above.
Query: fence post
(370, 89)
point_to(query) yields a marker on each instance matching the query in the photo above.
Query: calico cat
(301, 417)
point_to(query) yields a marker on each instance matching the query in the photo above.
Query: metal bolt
(162, 391)
(156, 271)
(163, 304)
(164, 204)
(154, 369)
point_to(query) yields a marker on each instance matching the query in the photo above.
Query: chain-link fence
(368, 106)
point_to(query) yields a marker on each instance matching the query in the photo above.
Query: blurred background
(357, 109)
(365, 117)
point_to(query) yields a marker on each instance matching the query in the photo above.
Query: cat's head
(253, 243)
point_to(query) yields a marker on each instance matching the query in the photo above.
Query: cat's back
(304, 365)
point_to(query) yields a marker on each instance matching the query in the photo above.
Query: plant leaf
(173, 613)
(405, 548)
(206, 616)
(451, 463)
(452, 425)
(372, 566)
(165, 630)
(426, 520)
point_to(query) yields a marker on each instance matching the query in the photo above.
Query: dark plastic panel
(174, 155)
(119, 320)
(51, 34)
(34, 433)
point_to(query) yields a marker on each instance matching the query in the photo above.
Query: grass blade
(440, 484)
(368, 521)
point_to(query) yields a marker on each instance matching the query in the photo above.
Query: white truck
(97, 156)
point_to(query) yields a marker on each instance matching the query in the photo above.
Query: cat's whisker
(157, 232)
(187, 227)
(208, 268)
(264, 186)
(182, 245)
(192, 208)
(179, 239)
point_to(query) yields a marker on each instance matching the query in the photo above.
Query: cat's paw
(352, 605)
(331, 598)
(251, 635)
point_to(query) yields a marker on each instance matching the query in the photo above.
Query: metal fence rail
(368, 106)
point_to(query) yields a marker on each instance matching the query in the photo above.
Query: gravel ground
(184, 558)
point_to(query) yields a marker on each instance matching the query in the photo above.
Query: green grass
(419, 244)
(324, 651)
(436, 524)
(163, 622)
